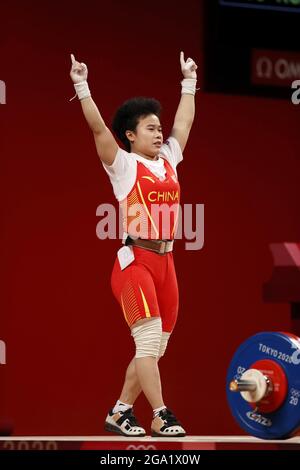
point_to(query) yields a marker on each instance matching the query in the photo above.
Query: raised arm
(106, 144)
(185, 113)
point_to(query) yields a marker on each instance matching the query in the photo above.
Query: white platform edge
(225, 439)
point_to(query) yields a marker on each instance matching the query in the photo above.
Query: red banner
(275, 68)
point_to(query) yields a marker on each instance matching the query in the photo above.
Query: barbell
(263, 385)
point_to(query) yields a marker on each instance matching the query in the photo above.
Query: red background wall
(67, 343)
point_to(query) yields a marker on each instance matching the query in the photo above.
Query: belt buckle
(162, 248)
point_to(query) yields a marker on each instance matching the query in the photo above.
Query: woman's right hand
(79, 71)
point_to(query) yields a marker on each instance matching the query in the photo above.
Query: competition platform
(145, 443)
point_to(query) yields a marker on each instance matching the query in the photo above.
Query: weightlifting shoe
(166, 425)
(124, 423)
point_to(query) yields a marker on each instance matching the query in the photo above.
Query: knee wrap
(147, 338)
(163, 343)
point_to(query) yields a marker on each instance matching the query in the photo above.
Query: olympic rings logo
(141, 447)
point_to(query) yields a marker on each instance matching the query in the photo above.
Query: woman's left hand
(188, 67)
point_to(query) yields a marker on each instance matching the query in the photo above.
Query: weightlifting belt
(160, 247)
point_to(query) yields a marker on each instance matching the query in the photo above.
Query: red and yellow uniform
(150, 210)
(148, 286)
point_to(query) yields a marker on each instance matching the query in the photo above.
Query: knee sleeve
(147, 338)
(163, 343)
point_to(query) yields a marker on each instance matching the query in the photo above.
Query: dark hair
(128, 115)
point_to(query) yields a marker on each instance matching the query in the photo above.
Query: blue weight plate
(284, 350)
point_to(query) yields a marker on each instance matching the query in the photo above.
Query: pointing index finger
(182, 58)
(72, 58)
